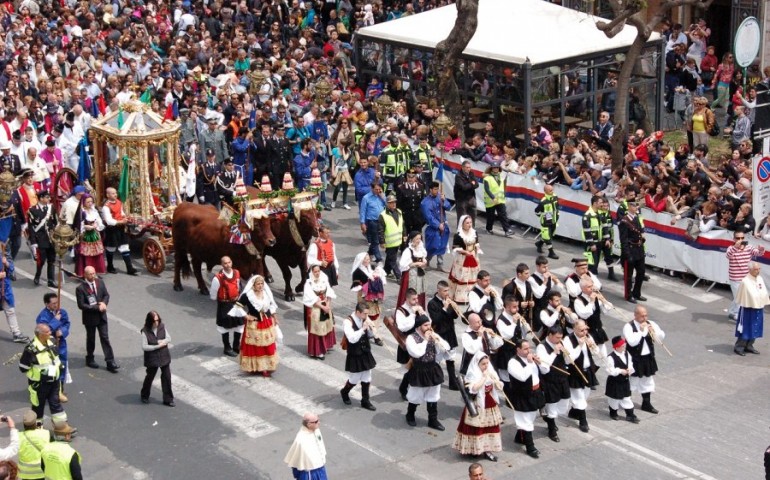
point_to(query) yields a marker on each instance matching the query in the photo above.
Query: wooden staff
(651, 331)
(569, 357)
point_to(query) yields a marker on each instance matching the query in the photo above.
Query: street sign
(748, 39)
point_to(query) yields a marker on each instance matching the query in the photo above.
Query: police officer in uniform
(592, 234)
(632, 252)
(42, 221)
(187, 133)
(423, 155)
(208, 173)
(279, 157)
(226, 182)
(410, 194)
(40, 362)
(548, 211)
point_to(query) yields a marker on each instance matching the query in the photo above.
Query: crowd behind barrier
(671, 247)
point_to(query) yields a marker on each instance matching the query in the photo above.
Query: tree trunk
(446, 60)
(619, 136)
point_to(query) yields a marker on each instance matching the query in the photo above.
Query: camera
(4, 419)
(744, 243)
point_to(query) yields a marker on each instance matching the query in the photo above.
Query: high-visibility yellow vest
(423, 157)
(392, 167)
(31, 443)
(550, 213)
(56, 457)
(46, 357)
(394, 235)
(592, 226)
(496, 187)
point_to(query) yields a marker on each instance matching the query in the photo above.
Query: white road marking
(266, 388)
(653, 302)
(651, 454)
(320, 371)
(641, 458)
(238, 419)
(399, 464)
(385, 364)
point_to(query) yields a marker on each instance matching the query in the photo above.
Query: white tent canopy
(510, 31)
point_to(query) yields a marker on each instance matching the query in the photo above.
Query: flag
(84, 166)
(440, 173)
(102, 105)
(169, 116)
(146, 96)
(253, 119)
(120, 118)
(123, 184)
(176, 109)
(94, 110)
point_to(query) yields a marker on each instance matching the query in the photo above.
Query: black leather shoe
(739, 352)
(436, 425)
(584, 428)
(641, 298)
(113, 367)
(169, 404)
(489, 456)
(112, 270)
(36, 281)
(411, 421)
(52, 284)
(649, 409)
(378, 341)
(145, 400)
(752, 350)
(92, 364)
(534, 453)
(631, 300)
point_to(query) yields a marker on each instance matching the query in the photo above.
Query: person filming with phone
(739, 255)
(9, 452)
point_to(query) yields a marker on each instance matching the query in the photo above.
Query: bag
(714, 132)
(344, 342)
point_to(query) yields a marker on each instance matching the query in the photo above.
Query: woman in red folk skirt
(480, 435)
(258, 343)
(319, 319)
(465, 267)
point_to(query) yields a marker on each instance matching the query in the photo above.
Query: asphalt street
(713, 421)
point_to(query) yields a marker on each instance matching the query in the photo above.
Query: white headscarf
(357, 262)
(420, 251)
(475, 374)
(470, 236)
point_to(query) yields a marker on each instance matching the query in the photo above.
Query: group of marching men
(544, 355)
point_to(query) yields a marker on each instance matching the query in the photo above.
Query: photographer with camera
(9, 452)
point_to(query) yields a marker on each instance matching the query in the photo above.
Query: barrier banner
(668, 245)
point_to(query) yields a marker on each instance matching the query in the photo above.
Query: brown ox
(290, 251)
(198, 231)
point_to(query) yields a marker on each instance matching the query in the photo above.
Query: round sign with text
(748, 39)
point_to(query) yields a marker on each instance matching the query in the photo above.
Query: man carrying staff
(526, 395)
(225, 290)
(115, 236)
(555, 383)
(406, 315)
(511, 328)
(556, 314)
(443, 312)
(323, 252)
(434, 208)
(426, 376)
(640, 335)
(572, 282)
(477, 338)
(582, 372)
(589, 306)
(525, 291)
(359, 361)
(542, 277)
(484, 300)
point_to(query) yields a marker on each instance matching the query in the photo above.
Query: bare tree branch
(614, 27)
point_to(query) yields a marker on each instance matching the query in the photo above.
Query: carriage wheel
(61, 188)
(154, 256)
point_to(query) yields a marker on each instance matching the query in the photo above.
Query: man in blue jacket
(241, 145)
(369, 211)
(304, 163)
(58, 321)
(363, 180)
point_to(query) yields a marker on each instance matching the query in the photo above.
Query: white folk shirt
(522, 373)
(405, 322)
(585, 311)
(573, 287)
(574, 351)
(634, 337)
(354, 336)
(476, 303)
